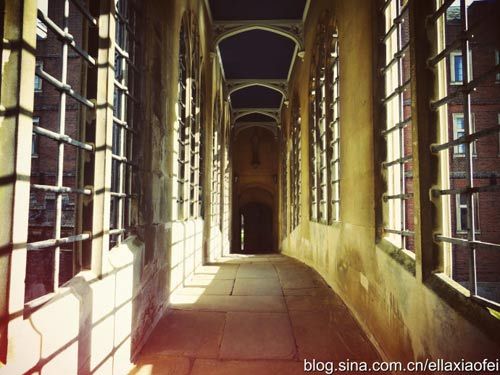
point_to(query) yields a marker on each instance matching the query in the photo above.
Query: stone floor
(254, 315)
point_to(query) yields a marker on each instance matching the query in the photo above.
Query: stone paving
(255, 315)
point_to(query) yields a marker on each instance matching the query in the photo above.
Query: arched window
(182, 113)
(333, 74)
(216, 163)
(313, 141)
(189, 169)
(284, 186)
(295, 163)
(124, 192)
(324, 126)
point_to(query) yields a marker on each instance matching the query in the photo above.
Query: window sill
(458, 297)
(461, 156)
(404, 257)
(464, 232)
(129, 252)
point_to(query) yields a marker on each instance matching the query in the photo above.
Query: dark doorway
(257, 228)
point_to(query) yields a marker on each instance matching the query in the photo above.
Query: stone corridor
(261, 314)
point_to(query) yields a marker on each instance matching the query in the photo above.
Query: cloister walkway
(261, 314)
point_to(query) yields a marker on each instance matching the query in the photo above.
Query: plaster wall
(406, 318)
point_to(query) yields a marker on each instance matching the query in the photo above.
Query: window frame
(189, 134)
(453, 81)
(398, 225)
(126, 108)
(334, 122)
(456, 149)
(461, 228)
(61, 135)
(445, 189)
(35, 144)
(296, 164)
(38, 81)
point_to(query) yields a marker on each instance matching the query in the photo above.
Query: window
(324, 127)
(189, 156)
(126, 107)
(314, 149)
(334, 128)
(462, 213)
(182, 105)
(38, 80)
(284, 187)
(34, 138)
(216, 164)
(295, 165)
(457, 67)
(195, 130)
(459, 131)
(53, 237)
(471, 257)
(398, 168)
(41, 27)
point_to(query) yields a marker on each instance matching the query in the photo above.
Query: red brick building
(485, 111)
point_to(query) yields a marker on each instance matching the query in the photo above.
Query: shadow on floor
(253, 314)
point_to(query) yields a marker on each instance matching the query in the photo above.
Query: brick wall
(485, 101)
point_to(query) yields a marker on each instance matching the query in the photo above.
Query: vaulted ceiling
(258, 42)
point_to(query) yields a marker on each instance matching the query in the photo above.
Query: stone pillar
(16, 111)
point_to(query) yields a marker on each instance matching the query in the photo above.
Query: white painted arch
(242, 86)
(272, 29)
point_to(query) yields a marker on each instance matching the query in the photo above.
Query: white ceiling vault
(257, 43)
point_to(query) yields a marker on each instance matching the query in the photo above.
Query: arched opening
(256, 228)
(255, 191)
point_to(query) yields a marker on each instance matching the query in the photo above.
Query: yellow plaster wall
(404, 317)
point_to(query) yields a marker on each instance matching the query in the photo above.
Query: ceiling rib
(274, 113)
(279, 85)
(292, 29)
(242, 125)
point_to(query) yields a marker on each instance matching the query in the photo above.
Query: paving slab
(201, 287)
(317, 336)
(316, 291)
(218, 271)
(257, 336)
(257, 287)
(310, 303)
(186, 333)
(261, 315)
(300, 281)
(218, 367)
(256, 271)
(229, 303)
(163, 366)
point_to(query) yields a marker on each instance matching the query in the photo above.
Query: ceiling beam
(279, 85)
(271, 126)
(274, 113)
(292, 29)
